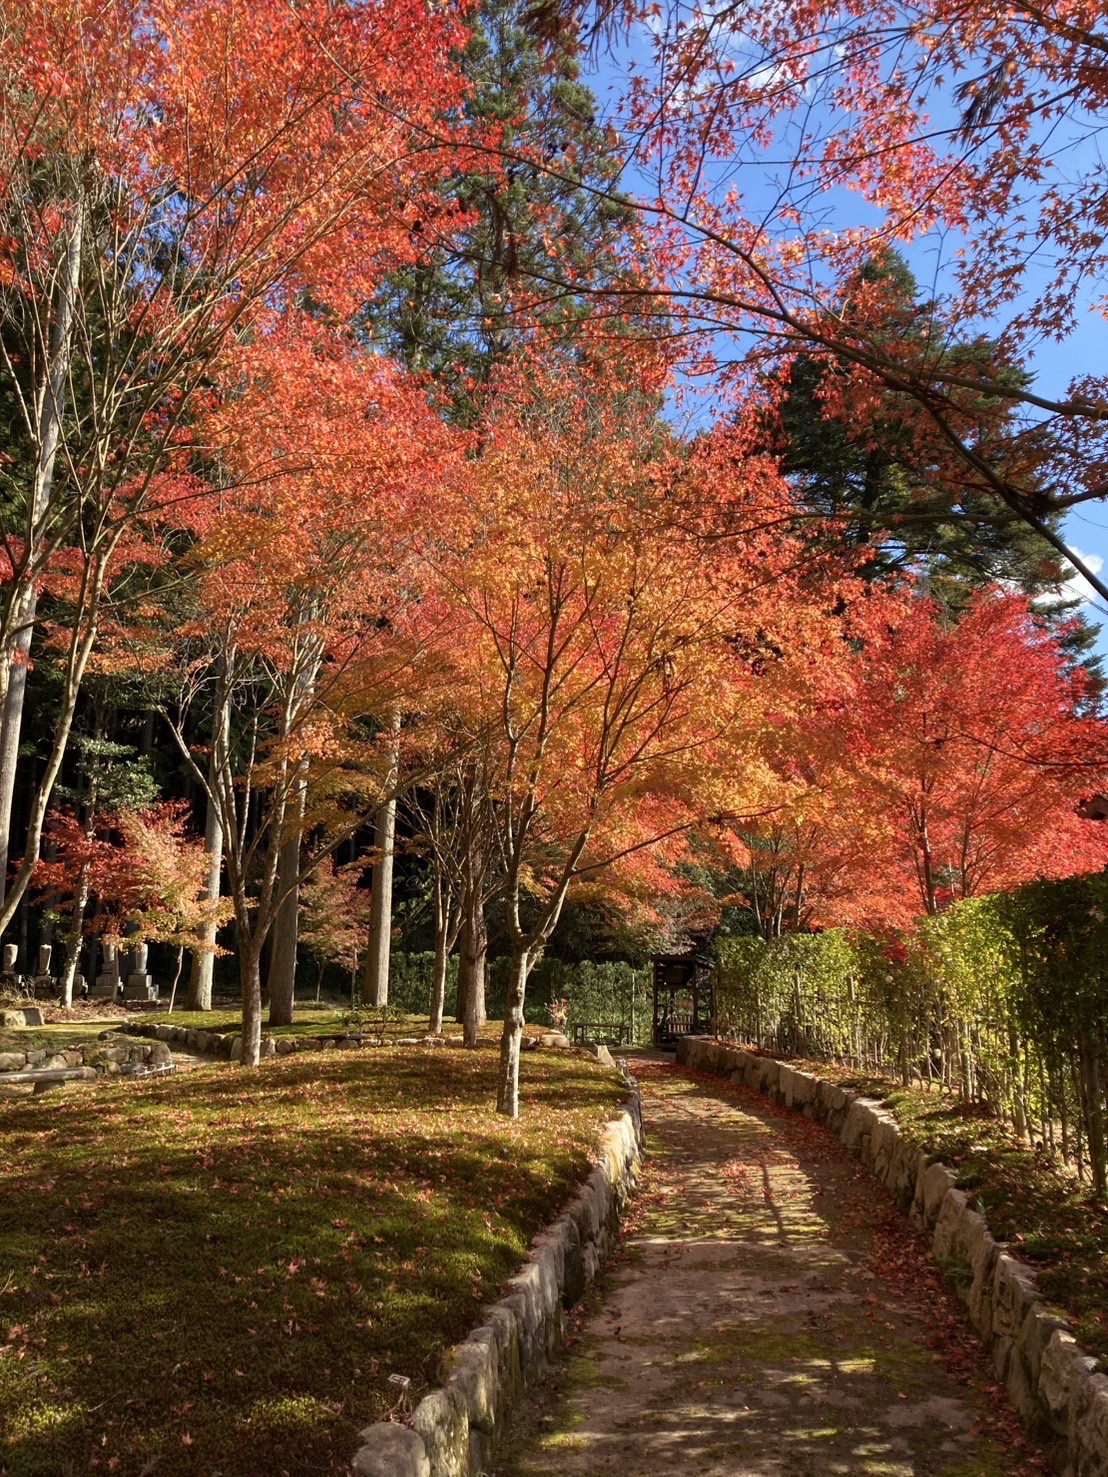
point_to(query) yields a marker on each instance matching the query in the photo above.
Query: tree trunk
(1094, 1113)
(74, 937)
(25, 597)
(461, 994)
(474, 932)
(202, 969)
(507, 1084)
(442, 954)
(12, 722)
(176, 977)
(475, 948)
(286, 926)
(375, 981)
(82, 640)
(251, 977)
(480, 977)
(470, 961)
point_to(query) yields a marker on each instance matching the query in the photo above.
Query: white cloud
(1078, 586)
(1072, 586)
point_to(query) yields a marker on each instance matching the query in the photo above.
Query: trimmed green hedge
(609, 992)
(1002, 999)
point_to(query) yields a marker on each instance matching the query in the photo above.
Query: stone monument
(106, 984)
(45, 986)
(139, 985)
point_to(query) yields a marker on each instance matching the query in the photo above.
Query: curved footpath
(770, 1313)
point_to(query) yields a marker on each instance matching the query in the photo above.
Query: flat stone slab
(750, 1329)
(28, 1015)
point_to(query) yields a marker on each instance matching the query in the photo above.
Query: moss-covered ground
(52, 1038)
(217, 1273)
(321, 1021)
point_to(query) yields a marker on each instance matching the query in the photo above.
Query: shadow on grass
(222, 1272)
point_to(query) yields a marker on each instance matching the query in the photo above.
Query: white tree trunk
(25, 597)
(286, 930)
(375, 981)
(507, 1085)
(202, 969)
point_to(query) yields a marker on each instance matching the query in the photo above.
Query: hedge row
(609, 993)
(1002, 999)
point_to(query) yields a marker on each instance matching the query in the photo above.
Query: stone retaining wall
(455, 1428)
(1053, 1385)
(109, 1055)
(229, 1043)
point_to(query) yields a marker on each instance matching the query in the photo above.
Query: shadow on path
(770, 1314)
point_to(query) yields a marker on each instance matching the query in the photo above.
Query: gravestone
(136, 959)
(106, 986)
(45, 986)
(8, 978)
(139, 985)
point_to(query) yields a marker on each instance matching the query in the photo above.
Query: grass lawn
(220, 1270)
(1051, 1218)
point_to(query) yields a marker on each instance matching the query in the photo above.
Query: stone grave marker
(139, 985)
(106, 985)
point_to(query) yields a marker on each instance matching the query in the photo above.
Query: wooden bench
(607, 1033)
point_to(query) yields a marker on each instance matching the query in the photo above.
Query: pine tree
(451, 317)
(887, 493)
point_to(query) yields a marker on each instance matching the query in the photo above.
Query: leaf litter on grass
(242, 1258)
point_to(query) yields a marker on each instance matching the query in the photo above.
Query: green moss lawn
(319, 1021)
(52, 1038)
(216, 1273)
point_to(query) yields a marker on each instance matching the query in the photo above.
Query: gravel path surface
(770, 1313)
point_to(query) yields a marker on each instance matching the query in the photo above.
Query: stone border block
(1064, 1368)
(1088, 1426)
(1014, 1294)
(932, 1186)
(391, 1451)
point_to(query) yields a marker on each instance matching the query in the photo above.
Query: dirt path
(771, 1313)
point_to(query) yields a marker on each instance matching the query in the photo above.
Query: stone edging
(455, 1428)
(1051, 1382)
(229, 1043)
(109, 1055)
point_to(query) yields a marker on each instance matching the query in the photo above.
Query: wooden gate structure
(684, 998)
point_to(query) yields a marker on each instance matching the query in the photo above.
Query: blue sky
(1054, 365)
(1086, 528)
